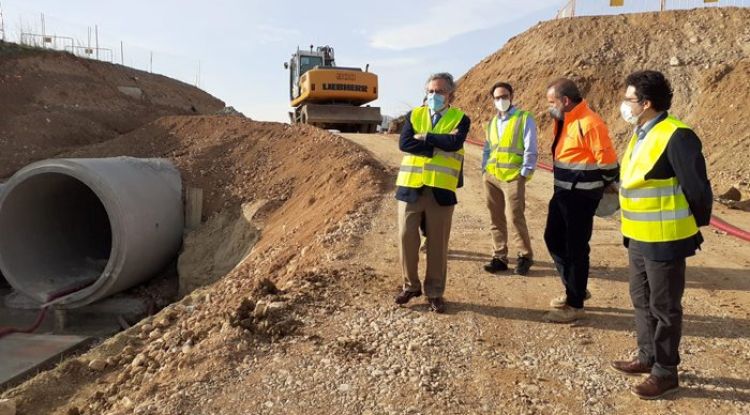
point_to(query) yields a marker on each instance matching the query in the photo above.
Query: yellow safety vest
(506, 152)
(653, 210)
(444, 167)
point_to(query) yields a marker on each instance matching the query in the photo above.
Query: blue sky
(241, 46)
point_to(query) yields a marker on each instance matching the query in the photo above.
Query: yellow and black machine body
(330, 96)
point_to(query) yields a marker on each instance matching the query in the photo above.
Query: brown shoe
(437, 304)
(404, 296)
(655, 387)
(631, 367)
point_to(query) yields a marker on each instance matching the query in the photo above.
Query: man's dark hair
(652, 86)
(564, 87)
(501, 85)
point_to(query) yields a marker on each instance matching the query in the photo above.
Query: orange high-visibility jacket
(584, 158)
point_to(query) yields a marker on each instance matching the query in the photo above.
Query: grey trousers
(656, 289)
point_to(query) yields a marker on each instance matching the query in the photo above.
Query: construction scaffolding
(2, 24)
(42, 31)
(102, 54)
(46, 41)
(574, 8)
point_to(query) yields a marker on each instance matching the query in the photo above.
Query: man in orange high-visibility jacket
(585, 166)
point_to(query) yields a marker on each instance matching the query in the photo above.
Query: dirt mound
(397, 124)
(310, 192)
(51, 102)
(705, 53)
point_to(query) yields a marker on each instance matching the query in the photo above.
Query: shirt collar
(577, 111)
(642, 131)
(432, 113)
(508, 113)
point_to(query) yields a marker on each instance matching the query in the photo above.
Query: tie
(435, 118)
(639, 132)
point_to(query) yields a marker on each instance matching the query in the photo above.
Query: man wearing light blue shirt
(508, 161)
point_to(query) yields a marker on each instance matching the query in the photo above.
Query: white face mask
(626, 111)
(502, 105)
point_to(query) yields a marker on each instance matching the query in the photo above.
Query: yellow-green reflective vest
(506, 152)
(444, 167)
(653, 210)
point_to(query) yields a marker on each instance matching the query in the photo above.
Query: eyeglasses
(632, 100)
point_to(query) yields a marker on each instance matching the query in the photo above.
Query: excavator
(329, 96)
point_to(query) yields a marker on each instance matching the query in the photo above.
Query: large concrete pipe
(92, 227)
(3, 283)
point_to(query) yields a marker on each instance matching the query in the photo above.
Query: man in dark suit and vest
(665, 196)
(432, 138)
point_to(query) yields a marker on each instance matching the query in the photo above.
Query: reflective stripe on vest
(583, 166)
(580, 185)
(443, 169)
(506, 152)
(653, 210)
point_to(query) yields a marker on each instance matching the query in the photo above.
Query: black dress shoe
(437, 304)
(496, 265)
(523, 265)
(404, 296)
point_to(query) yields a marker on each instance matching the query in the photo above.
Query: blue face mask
(435, 101)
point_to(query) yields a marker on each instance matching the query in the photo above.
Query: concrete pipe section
(78, 230)
(3, 283)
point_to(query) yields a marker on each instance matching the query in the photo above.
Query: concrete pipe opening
(78, 230)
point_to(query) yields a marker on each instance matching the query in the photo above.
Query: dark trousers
(656, 289)
(569, 223)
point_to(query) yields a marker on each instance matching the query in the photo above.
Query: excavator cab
(301, 62)
(329, 96)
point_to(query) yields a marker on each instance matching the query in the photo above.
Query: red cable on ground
(4, 331)
(723, 226)
(716, 221)
(544, 166)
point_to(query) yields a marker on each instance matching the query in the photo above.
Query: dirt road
(508, 358)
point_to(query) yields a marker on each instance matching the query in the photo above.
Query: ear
(451, 96)
(646, 104)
